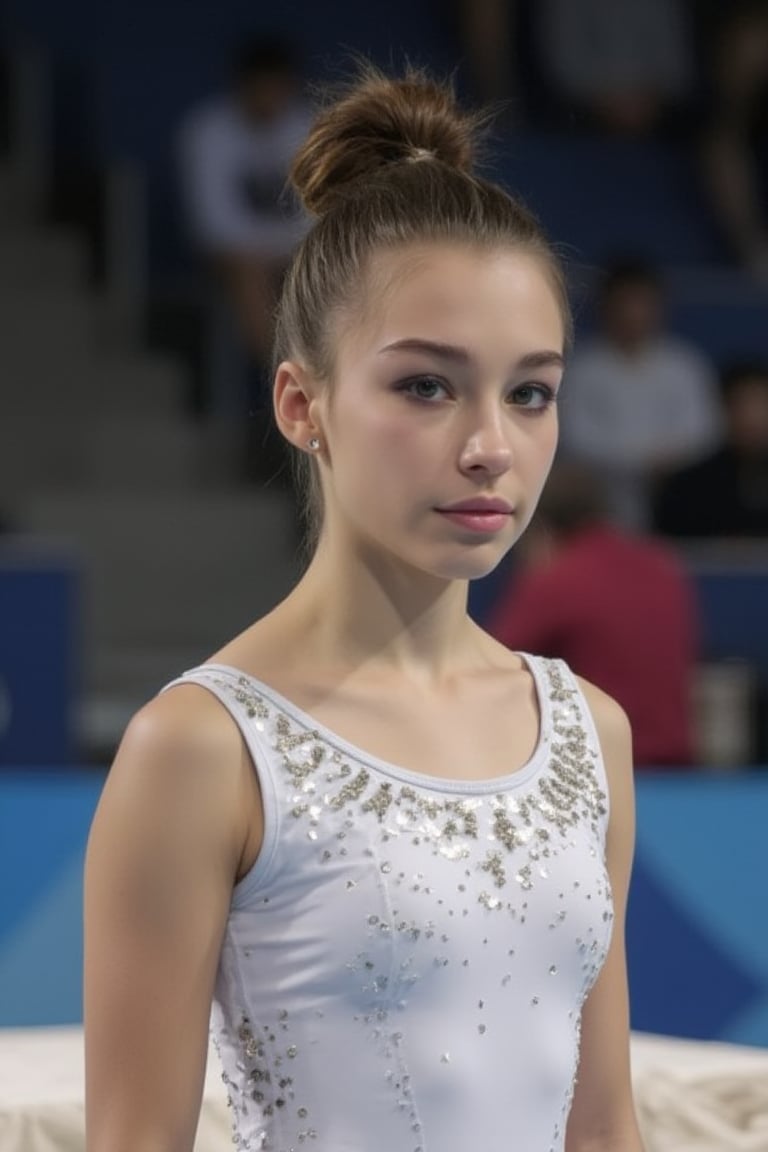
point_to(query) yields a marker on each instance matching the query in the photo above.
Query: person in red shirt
(618, 608)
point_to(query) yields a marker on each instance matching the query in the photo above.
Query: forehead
(457, 294)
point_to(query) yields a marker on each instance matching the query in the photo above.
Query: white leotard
(404, 967)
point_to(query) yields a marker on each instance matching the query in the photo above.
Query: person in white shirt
(623, 64)
(235, 152)
(617, 66)
(638, 401)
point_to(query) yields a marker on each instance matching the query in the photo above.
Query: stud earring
(313, 444)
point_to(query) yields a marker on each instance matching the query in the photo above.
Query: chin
(471, 565)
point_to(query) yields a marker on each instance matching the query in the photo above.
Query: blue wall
(697, 933)
(146, 61)
(40, 645)
(44, 820)
(125, 74)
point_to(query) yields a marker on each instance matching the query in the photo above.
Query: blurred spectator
(726, 494)
(235, 152)
(637, 402)
(616, 64)
(489, 31)
(736, 137)
(624, 63)
(617, 607)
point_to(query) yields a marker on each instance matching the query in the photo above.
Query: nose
(487, 450)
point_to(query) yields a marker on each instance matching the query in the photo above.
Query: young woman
(393, 854)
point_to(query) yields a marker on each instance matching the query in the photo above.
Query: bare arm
(602, 1117)
(165, 848)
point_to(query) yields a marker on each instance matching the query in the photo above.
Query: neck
(362, 609)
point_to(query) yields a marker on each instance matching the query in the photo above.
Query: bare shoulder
(164, 853)
(183, 760)
(185, 725)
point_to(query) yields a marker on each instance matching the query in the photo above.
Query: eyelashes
(542, 396)
(426, 389)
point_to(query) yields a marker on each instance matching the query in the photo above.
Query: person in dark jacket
(726, 493)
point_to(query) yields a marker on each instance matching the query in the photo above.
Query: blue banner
(697, 930)
(39, 656)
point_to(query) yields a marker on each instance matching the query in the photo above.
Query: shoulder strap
(570, 711)
(249, 710)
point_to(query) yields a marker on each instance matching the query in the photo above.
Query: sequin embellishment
(432, 885)
(569, 792)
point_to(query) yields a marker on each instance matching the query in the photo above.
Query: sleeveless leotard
(403, 969)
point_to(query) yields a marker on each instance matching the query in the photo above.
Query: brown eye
(536, 397)
(425, 388)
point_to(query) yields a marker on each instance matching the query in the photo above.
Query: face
(631, 313)
(266, 96)
(747, 415)
(440, 426)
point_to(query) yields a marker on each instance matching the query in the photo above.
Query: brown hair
(389, 163)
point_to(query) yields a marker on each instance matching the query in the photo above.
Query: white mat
(691, 1097)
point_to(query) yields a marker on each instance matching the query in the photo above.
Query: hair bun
(376, 122)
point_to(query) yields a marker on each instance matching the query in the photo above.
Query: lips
(479, 507)
(478, 516)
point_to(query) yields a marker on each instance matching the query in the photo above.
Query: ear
(296, 404)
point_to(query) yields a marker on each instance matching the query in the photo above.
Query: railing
(30, 129)
(124, 190)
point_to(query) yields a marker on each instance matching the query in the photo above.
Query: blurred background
(146, 508)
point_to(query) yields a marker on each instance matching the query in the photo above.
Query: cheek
(374, 454)
(541, 444)
(376, 437)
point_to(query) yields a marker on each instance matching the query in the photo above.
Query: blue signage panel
(39, 644)
(697, 933)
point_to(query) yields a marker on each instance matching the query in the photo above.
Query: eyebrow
(461, 355)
